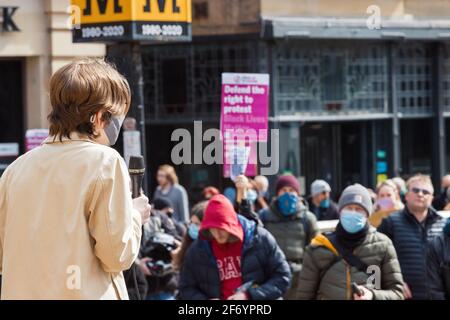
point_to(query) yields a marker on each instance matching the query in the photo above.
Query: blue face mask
(325, 203)
(252, 195)
(193, 231)
(352, 221)
(287, 203)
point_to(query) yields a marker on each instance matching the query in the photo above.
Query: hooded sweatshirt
(220, 214)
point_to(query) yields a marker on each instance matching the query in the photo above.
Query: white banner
(131, 144)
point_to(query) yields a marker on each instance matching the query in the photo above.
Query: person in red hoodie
(233, 259)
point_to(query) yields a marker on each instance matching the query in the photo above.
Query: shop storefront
(35, 40)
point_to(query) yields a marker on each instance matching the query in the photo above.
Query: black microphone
(136, 169)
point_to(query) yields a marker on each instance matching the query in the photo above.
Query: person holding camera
(162, 210)
(160, 241)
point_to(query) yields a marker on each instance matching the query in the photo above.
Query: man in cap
(320, 202)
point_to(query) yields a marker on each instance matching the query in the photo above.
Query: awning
(352, 28)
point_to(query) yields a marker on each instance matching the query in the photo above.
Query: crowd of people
(77, 231)
(388, 243)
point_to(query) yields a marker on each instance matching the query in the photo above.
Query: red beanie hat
(288, 181)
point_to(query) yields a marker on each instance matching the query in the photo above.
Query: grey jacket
(178, 196)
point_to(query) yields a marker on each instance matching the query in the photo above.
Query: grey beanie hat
(356, 194)
(319, 186)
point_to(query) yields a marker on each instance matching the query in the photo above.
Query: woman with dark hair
(191, 235)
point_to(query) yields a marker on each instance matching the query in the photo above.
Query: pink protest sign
(34, 138)
(244, 117)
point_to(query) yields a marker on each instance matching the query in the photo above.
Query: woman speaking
(68, 224)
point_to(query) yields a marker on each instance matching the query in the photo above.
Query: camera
(159, 268)
(158, 249)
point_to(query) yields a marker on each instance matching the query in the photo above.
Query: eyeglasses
(425, 192)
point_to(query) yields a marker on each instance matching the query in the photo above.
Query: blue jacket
(262, 262)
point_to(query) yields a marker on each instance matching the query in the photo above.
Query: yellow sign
(381, 178)
(108, 20)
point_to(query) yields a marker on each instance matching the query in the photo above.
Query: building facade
(356, 98)
(35, 40)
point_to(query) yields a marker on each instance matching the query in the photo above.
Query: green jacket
(293, 233)
(324, 276)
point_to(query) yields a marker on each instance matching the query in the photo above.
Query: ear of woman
(99, 122)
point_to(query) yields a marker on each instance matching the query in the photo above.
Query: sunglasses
(425, 192)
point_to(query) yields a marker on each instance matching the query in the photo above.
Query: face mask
(252, 195)
(193, 231)
(113, 129)
(353, 221)
(287, 203)
(385, 203)
(325, 203)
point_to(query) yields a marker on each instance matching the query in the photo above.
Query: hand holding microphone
(142, 205)
(140, 201)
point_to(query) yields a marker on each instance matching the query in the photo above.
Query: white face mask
(113, 129)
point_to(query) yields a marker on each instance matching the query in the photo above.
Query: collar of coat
(431, 217)
(74, 136)
(322, 241)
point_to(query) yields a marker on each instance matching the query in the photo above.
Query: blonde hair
(420, 178)
(388, 183)
(81, 89)
(170, 173)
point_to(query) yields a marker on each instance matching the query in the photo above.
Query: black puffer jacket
(330, 213)
(438, 263)
(262, 262)
(410, 239)
(440, 201)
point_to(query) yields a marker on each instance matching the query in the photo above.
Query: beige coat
(67, 223)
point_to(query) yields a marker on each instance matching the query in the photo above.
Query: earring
(92, 118)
